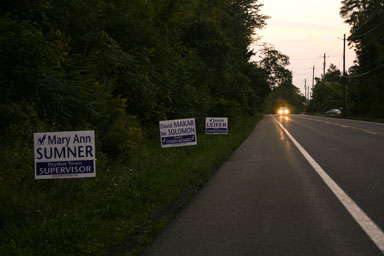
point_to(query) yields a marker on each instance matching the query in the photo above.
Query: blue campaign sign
(61, 155)
(216, 125)
(178, 133)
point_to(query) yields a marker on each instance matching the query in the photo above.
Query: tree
(279, 78)
(117, 67)
(149, 60)
(333, 96)
(328, 91)
(274, 64)
(366, 18)
(333, 73)
(285, 95)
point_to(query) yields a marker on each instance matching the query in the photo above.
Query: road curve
(267, 200)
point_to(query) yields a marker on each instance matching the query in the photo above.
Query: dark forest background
(121, 66)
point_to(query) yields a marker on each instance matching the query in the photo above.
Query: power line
(369, 31)
(361, 47)
(308, 72)
(372, 16)
(302, 74)
(366, 73)
(369, 65)
(306, 59)
(318, 58)
(333, 45)
(334, 56)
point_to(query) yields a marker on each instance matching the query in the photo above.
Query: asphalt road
(351, 152)
(268, 200)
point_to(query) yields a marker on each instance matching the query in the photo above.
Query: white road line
(372, 230)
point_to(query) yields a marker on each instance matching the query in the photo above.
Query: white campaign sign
(178, 133)
(216, 125)
(60, 155)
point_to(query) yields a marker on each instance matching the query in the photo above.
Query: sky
(304, 30)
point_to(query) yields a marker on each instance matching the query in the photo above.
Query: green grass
(116, 213)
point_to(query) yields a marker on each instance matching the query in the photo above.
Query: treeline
(284, 93)
(364, 81)
(328, 92)
(119, 67)
(366, 88)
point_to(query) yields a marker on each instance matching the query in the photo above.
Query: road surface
(269, 200)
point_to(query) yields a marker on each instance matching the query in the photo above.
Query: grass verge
(116, 213)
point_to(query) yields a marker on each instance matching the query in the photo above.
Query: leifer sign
(61, 155)
(216, 125)
(178, 133)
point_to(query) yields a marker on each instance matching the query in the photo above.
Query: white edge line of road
(372, 230)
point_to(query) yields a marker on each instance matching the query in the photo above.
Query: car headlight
(286, 111)
(280, 111)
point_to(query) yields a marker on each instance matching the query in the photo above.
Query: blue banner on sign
(178, 139)
(65, 168)
(216, 130)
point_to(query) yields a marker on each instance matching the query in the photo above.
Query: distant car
(334, 111)
(283, 111)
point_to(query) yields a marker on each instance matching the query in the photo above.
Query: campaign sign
(216, 125)
(178, 133)
(62, 155)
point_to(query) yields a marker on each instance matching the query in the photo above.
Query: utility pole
(323, 107)
(313, 81)
(324, 64)
(344, 74)
(313, 77)
(305, 86)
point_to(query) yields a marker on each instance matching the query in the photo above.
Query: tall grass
(116, 213)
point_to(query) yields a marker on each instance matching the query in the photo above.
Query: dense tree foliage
(328, 91)
(284, 93)
(116, 67)
(274, 63)
(120, 66)
(365, 88)
(364, 81)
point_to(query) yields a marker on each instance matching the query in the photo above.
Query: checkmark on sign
(41, 140)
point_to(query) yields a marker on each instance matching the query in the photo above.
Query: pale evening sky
(304, 30)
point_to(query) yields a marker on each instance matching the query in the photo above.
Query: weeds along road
(269, 199)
